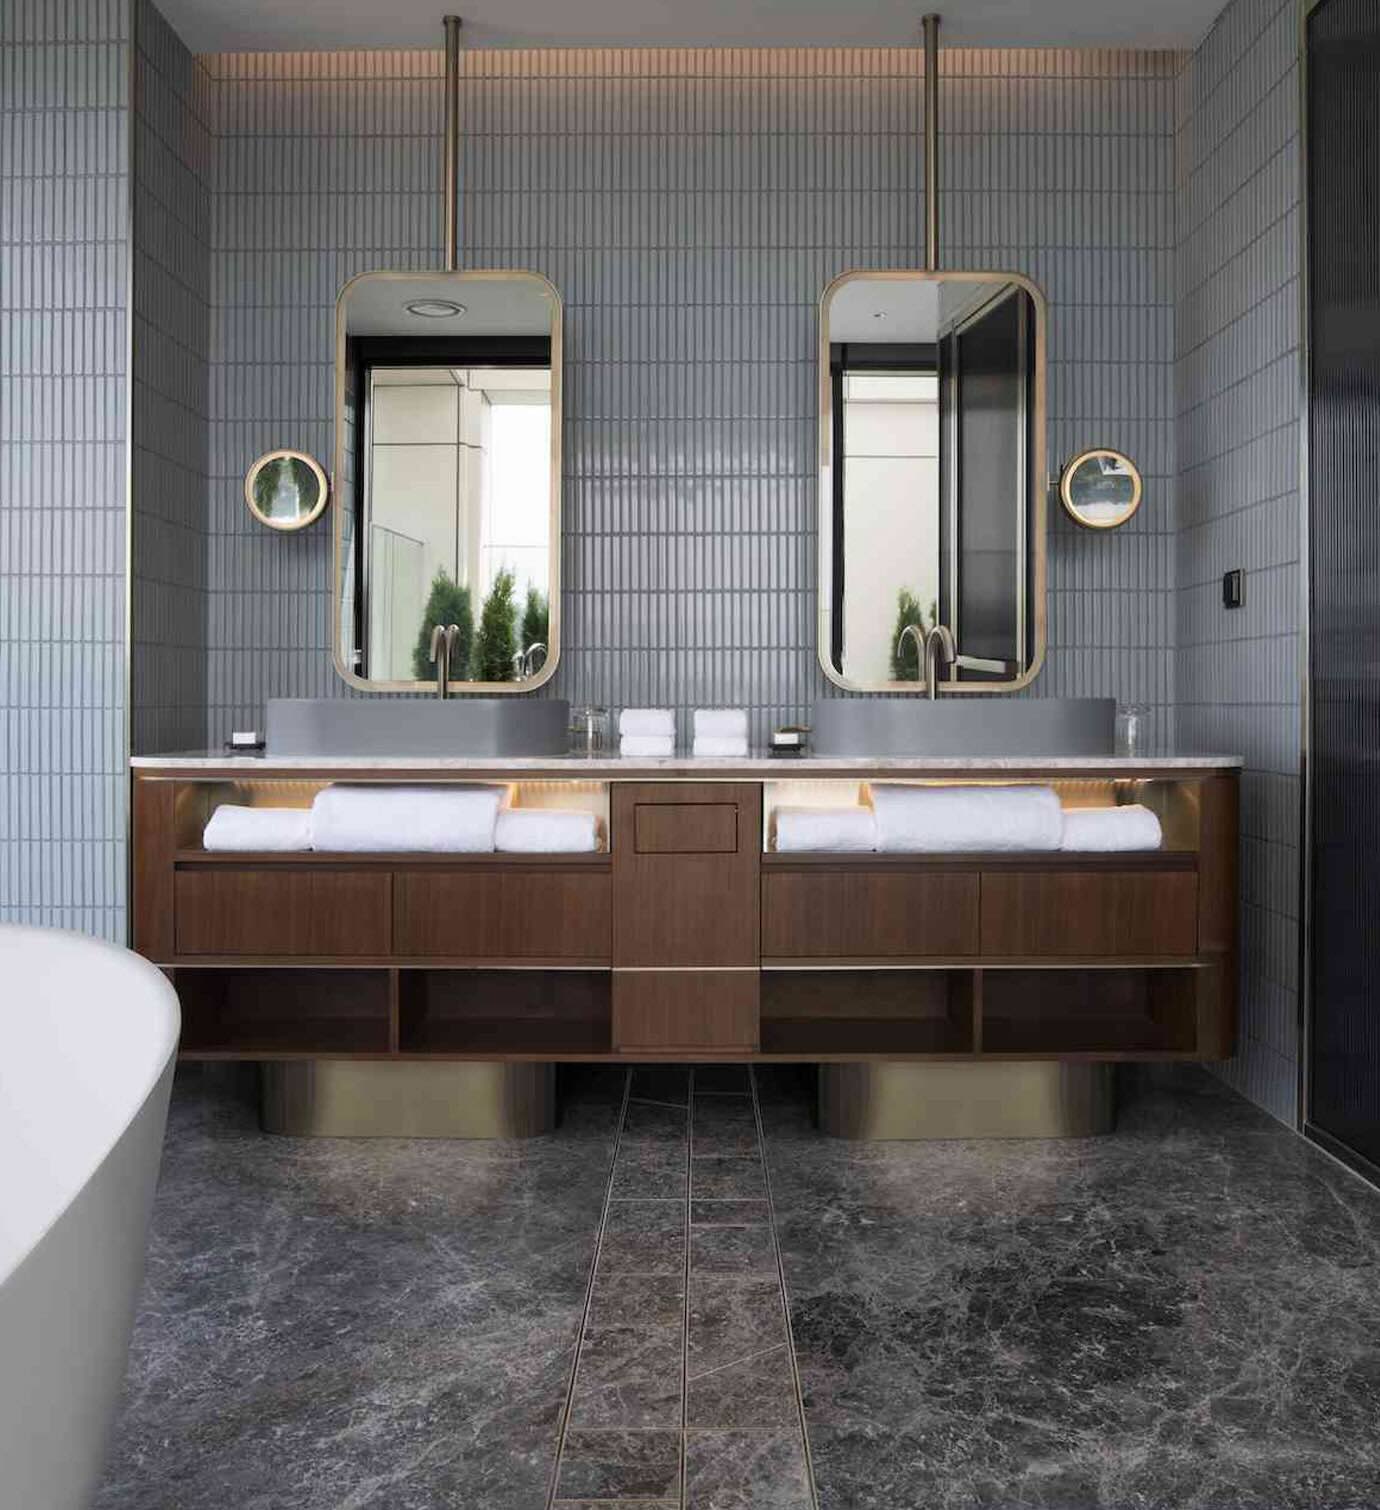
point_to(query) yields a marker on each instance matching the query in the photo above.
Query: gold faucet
(930, 646)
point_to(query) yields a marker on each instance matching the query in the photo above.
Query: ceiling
(271, 25)
(485, 305)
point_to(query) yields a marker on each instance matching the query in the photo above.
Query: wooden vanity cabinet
(685, 940)
(687, 922)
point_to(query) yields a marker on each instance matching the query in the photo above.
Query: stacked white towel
(946, 819)
(838, 830)
(1112, 829)
(278, 830)
(721, 733)
(647, 733)
(426, 819)
(545, 831)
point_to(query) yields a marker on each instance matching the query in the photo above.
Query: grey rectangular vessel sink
(387, 726)
(957, 726)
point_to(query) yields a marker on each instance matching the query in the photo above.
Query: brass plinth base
(1016, 1100)
(327, 1098)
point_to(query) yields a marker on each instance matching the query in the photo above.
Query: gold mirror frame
(553, 647)
(323, 490)
(1066, 488)
(1037, 515)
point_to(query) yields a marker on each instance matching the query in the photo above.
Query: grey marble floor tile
(629, 1376)
(643, 1237)
(757, 1390)
(737, 1365)
(744, 1251)
(713, 1177)
(746, 1470)
(725, 1126)
(731, 1319)
(730, 1079)
(728, 1213)
(637, 1300)
(655, 1122)
(380, 1323)
(620, 1465)
(668, 1083)
(651, 1170)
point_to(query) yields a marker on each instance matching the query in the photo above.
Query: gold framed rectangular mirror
(447, 488)
(932, 477)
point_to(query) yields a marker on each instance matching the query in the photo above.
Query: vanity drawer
(858, 913)
(316, 913)
(685, 870)
(685, 828)
(1037, 913)
(701, 1011)
(495, 914)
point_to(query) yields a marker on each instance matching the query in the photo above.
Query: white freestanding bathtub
(88, 1036)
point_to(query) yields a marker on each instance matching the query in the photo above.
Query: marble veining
(1184, 1315)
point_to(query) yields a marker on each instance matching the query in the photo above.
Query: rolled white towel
(721, 723)
(720, 746)
(1111, 828)
(648, 746)
(838, 829)
(647, 722)
(545, 831)
(426, 819)
(944, 819)
(276, 830)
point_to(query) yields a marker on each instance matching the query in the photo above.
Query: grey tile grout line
(685, 1306)
(589, 1296)
(784, 1294)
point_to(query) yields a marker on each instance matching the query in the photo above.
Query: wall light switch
(1234, 588)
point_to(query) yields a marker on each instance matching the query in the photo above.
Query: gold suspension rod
(930, 27)
(451, 167)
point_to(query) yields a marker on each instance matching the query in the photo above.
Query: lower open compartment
(537, 1014)
(861, 1013)
(250, 1013)
(1110, 1013)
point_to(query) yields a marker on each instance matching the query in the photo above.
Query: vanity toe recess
(687, 935)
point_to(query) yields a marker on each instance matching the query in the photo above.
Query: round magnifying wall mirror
(1100, 489)
(286, 490)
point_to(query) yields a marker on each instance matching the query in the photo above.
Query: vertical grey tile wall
(64, 272)
(1240, 504)
(327, 165)
(170, 390)
(691, 206)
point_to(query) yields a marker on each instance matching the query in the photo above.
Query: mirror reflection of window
(890, 511)
(457, 490)
(932, 474)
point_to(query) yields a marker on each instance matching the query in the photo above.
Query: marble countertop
(757, 766)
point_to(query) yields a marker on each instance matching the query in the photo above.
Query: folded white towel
(720, 746)
(429, 819)
(545, 831)
(1111, 828)
(269, 829)
(648, 746)
(721, 723)
(942, 819)
(839, 829)
(647, 721)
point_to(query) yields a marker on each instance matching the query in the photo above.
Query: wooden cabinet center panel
(679, 897)
(685, 828)
(317, 913)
